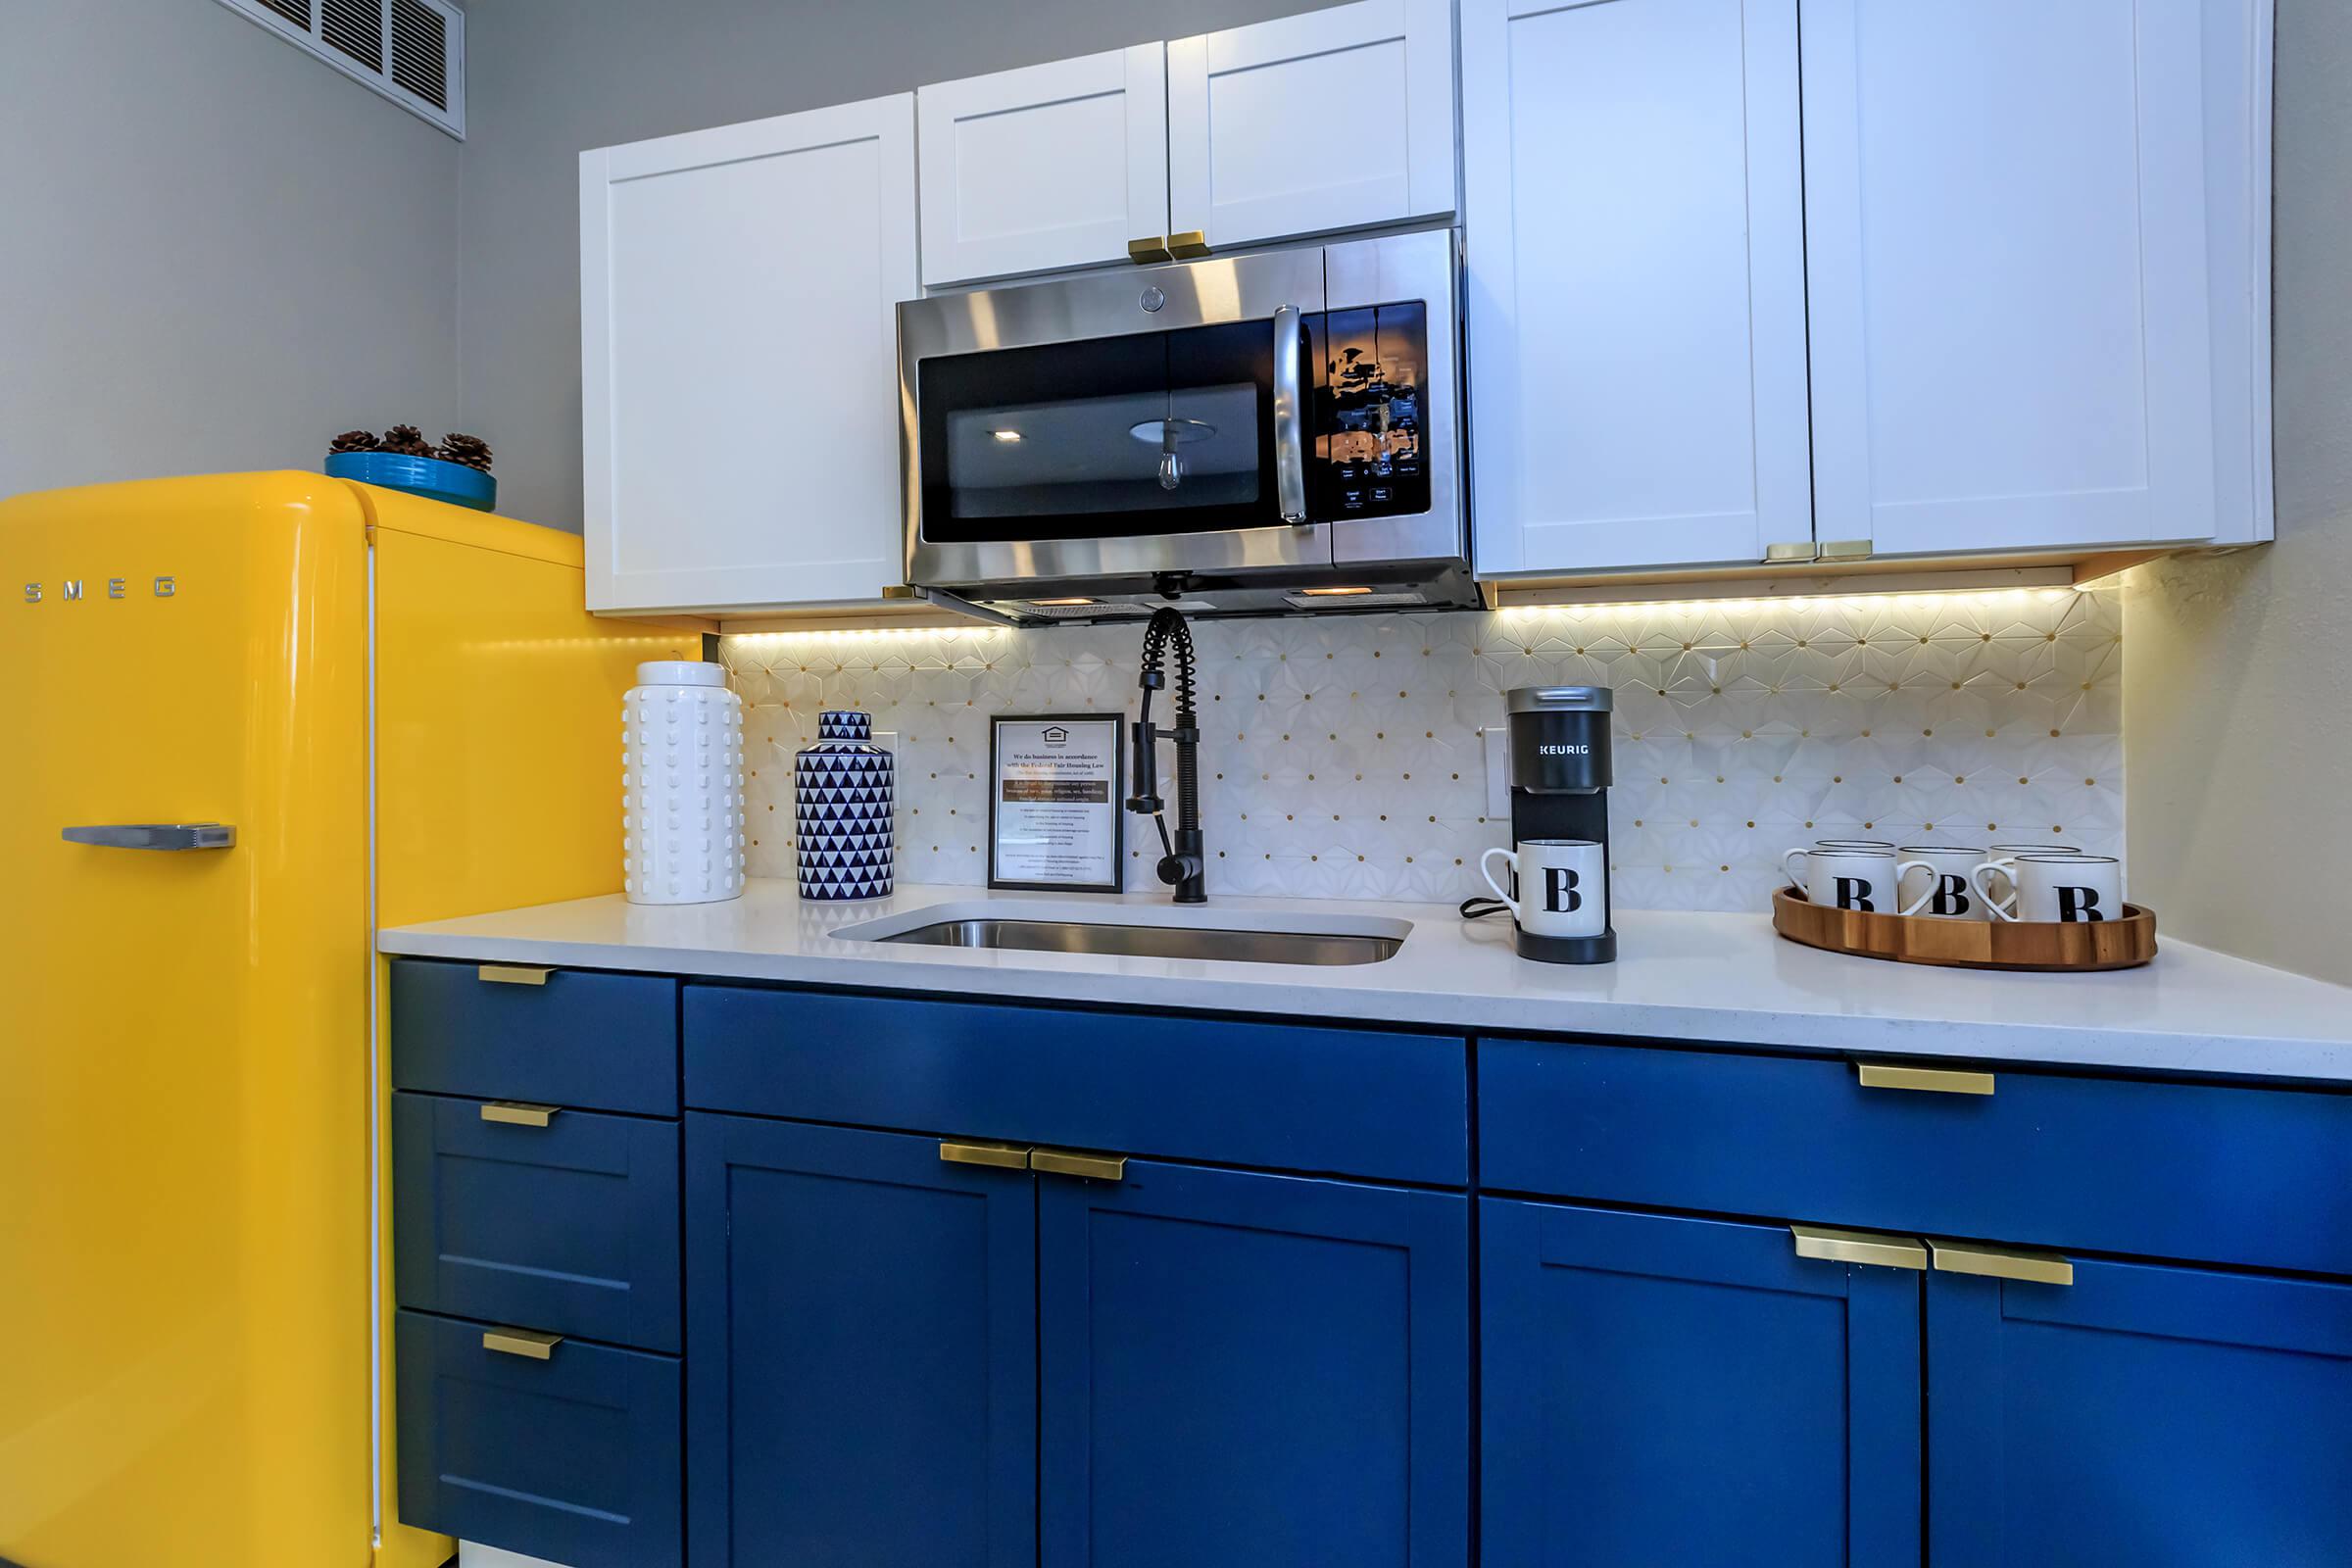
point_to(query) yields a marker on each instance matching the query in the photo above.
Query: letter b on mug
(1563, 882)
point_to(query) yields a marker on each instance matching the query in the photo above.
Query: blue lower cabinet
(1666, 1390)
(564, 1220)
(1252, 1369)
(572, 1457)
(2140, 1417)
(861, 1342)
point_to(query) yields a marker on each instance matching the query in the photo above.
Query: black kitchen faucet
(1185, 864)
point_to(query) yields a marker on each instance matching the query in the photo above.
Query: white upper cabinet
(1044, 167)
(1337, 119)
(738, 314)
(1634, 223)
(2037, 245)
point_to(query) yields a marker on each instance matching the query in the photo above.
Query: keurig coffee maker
(1560, 790)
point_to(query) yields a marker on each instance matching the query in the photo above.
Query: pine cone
(353, 441)
(407, 440)
(470, 450)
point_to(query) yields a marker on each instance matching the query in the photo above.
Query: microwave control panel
(1369, 458)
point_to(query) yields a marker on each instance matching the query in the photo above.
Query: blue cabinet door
(1659, 1390)
(861, 1351)
(1252, 1369)
(2141, 1417)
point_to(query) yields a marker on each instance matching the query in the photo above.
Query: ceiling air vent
(411, 51)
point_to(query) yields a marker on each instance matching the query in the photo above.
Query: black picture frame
(1117, 805)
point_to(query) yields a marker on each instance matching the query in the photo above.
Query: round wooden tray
(2120, 944)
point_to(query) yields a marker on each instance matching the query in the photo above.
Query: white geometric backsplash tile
(1343, 757)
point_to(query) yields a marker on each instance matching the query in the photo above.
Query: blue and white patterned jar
(845, 789)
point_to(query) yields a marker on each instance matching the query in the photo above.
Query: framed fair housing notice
(1057, 802)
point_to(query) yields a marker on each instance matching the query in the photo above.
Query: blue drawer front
(2231, 1175)
(1361, 1104)
(574, 1458)
(571, 1228)
(606, 1042)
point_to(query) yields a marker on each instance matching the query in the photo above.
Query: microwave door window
(1117, 438)
(1130, 452)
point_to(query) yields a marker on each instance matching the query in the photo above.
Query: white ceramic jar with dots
(681, 783)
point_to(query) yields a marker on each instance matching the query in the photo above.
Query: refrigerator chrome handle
(1290, 441)
(154, 836)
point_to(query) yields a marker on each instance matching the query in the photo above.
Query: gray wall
(553, 77)
(215, 251)
(2238, 723)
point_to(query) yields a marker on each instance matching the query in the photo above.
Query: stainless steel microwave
(1256, 434)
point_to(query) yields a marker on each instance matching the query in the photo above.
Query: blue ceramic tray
(429, 477)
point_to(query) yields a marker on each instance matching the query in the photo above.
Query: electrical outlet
(1499, 771)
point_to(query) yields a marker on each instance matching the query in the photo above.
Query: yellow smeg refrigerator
(248, 717)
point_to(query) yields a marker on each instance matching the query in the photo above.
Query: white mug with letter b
(2061, 889)
(1563, 883)
(1943, 891)
(2003, 856)
(1865, 881)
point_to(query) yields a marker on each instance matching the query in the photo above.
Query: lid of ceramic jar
(843, 724)
(680, 673)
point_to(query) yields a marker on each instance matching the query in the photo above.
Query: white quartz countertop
(1716, 978)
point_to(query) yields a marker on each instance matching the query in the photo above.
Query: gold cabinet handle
(1845, 548)
(2002, 1263)
(513, 975)
(1149, 252)
(1834, 1246)
(1071, 1163)
(517, 1113)
(529, 1344)
(898, 590)
(1799, 550)
(1930, 1080)
(1188, 246)
(1003, 1156)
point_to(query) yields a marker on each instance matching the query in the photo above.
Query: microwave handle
(1290, 424)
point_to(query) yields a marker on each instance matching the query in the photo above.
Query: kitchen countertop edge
(573, 935)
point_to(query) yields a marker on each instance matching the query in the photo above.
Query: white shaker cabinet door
(1633, 208)
(1047, 166)
(739, 360)
(1338, 119)
(2037, 247)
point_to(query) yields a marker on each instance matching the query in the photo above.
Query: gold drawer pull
(1798, 549)
(1070, 1162)
(529, 1344)
(1190, 245)
(516, 1114)
(1932, 1080)
(1834, 1246)
(2003, 1263)
(1845, 550)
(1002, 1156)
(513, 975)
(1148, 252)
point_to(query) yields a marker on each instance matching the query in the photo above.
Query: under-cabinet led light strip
(982, 635)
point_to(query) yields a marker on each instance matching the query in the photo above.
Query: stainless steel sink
(1152, 941)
